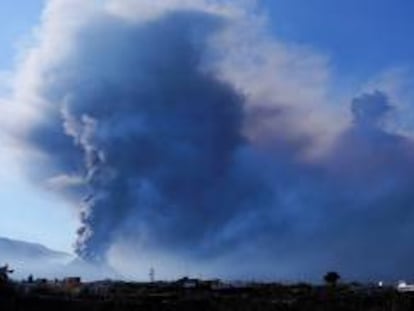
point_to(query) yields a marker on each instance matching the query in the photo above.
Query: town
(196, 294)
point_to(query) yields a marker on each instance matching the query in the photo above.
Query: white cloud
(60, 182)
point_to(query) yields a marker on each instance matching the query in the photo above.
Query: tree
(331, 278)
(4, 273)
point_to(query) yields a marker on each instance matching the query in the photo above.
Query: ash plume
(179, 138)
(147, 125)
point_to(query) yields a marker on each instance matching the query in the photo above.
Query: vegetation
(204, 295)
(331, 278)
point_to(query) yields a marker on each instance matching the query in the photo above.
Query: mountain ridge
(22, 248)
(28, 258)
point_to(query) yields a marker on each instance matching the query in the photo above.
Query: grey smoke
(161, 146)
(369, 109)
(145, 126)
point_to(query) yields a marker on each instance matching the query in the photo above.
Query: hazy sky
(361, 38)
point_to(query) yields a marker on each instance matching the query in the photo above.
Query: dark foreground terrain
(195, 296)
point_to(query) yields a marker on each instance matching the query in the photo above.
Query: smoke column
(163, 129)
(144, 126)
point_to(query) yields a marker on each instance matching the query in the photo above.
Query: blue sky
(360, 37)
(18, 18)
(30, 214)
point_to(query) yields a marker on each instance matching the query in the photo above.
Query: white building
(404, 287)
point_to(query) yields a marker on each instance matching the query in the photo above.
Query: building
(404, 287)
(72, 285)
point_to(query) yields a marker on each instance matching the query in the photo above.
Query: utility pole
(152, 275)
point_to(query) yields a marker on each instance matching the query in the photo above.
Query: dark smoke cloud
(166, 162)
(369, 109)
(158, 136)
